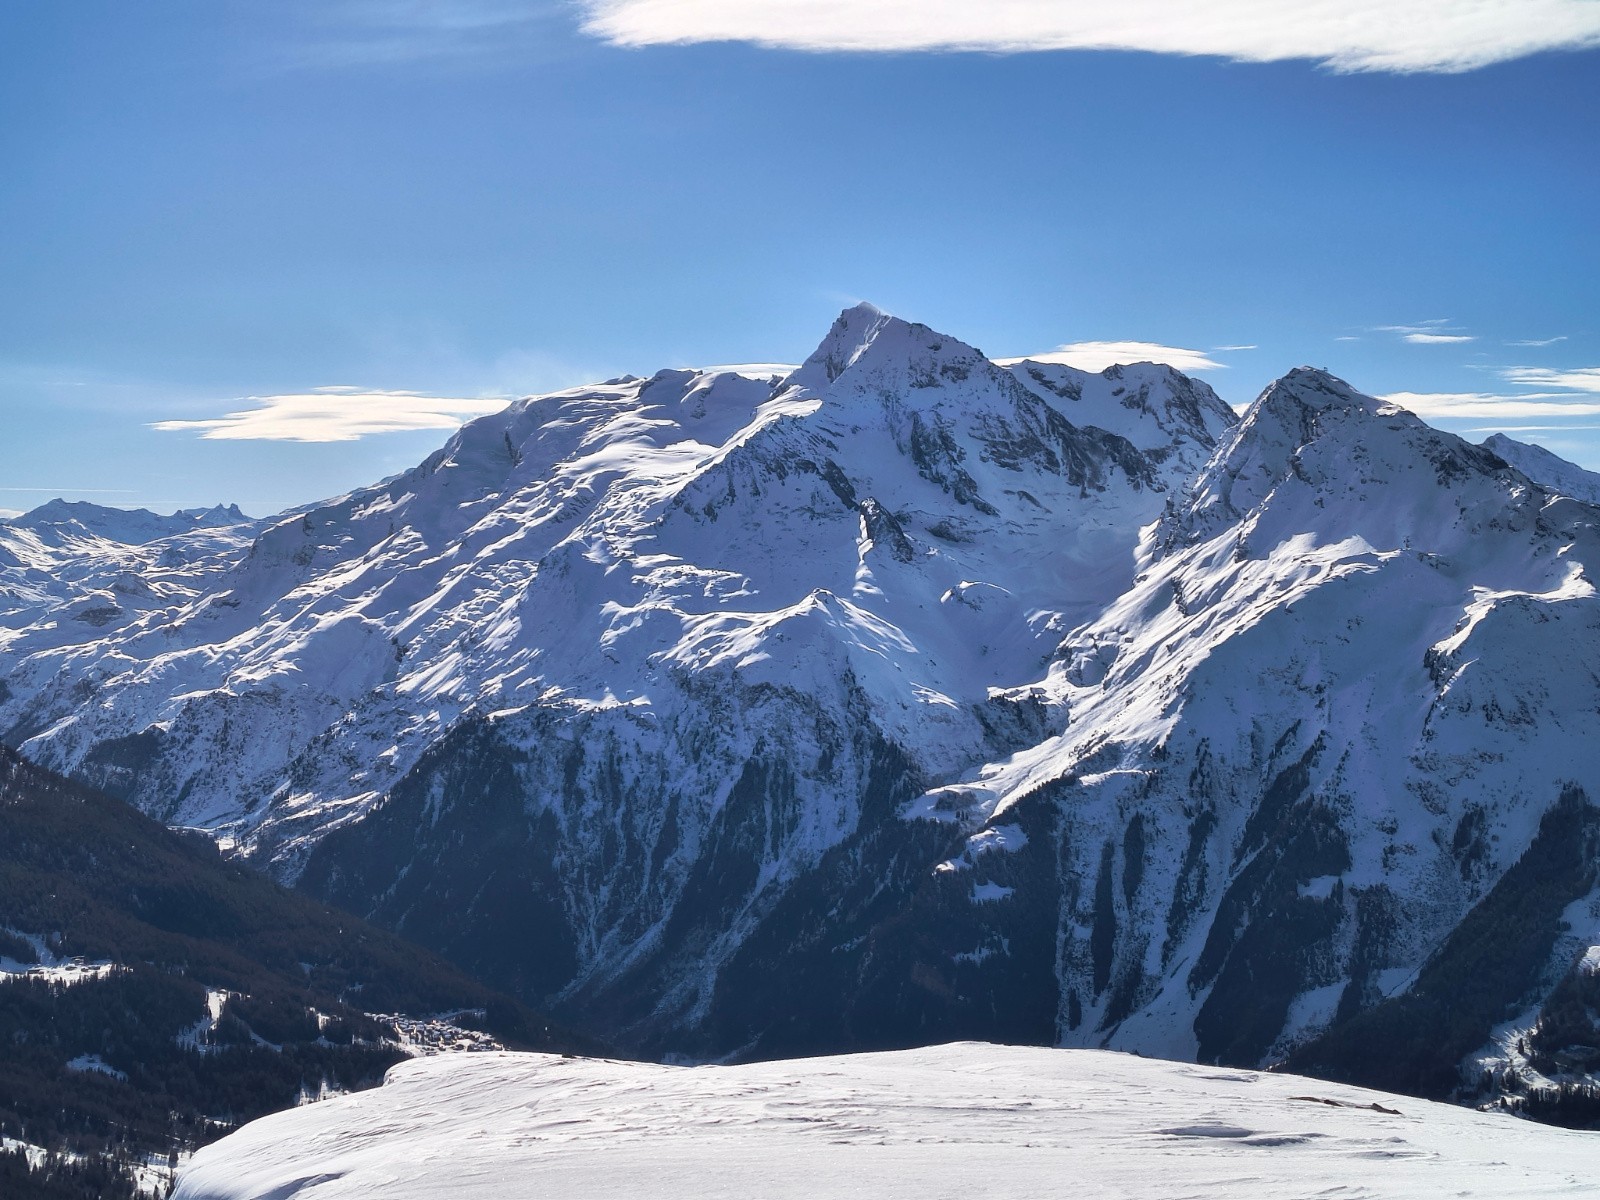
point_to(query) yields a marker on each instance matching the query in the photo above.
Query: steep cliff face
(900, 698)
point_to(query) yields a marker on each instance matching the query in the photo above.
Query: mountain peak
(1288, 412)
(1314, 428)
(217, 514)
(865, 309)
(864, 334)
(852, 332)
(908, 654)
(59, 509)
(1318, 389)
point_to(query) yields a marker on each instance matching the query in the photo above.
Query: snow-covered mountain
(907, 697)
(1351, 695)
(958, 1120)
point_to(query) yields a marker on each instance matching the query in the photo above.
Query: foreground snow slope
(967, 1120)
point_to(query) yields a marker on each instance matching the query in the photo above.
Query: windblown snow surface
(963, 1120)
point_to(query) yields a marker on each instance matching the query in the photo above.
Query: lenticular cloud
(1347, 35)
(334, 414)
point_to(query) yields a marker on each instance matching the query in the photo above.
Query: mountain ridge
(1003, 702)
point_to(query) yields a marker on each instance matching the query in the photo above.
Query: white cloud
(7, 513)
(1550, 341)
(71, 491)
(1437, 332)
(1097, 356)
(1347, 35)
(1577, 400)
(1578, 379)
(1541, 428)
(1226, 349)
(1437, 339)
(1487, 406)
(335, 414)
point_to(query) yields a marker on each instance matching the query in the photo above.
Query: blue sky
(210, 201)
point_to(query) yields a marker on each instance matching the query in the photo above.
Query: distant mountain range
(899, 698)
(59, 521)
(1551, 470)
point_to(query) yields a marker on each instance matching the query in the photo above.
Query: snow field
(964, 1120)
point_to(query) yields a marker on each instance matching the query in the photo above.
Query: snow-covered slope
(907, 697)
(957, 1120)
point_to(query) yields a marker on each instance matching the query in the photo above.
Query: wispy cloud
(1550, 341)
(62, 491)
(1570, 395)
(1577, 379)
(1435, 325)
(1540, 428)
(1490, 406)
(1437, 332)
(355, 33)
(1097, 356)
(335, 414)
(1229, 349)
(1347, 35)
(1437, 339)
